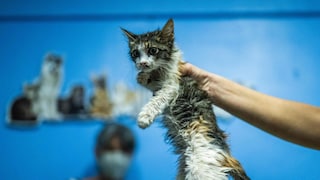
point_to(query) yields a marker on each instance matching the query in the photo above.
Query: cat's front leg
(156, 105)
(144, 119)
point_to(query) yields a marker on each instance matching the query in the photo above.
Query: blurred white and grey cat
(39, 99)
(46, 104)
(188, 115)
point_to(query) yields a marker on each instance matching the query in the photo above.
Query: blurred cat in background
(127, 101)
(74, 104)
(21, 110)
(39, 99)
(45, 106)
(101, 106)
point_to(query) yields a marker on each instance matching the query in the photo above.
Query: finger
(186, 69)
(192, 71)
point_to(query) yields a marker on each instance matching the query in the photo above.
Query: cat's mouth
(145, 67)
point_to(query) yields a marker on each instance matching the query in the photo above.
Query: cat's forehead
(155, 35)
(53, 58)
(151, 39)
(146, 39)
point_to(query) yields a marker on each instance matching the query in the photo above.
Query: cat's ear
(167, 31)
(26, 87)
(130, 35)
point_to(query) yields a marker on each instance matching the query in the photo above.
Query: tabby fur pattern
(188, 114)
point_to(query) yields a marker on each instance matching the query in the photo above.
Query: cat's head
(99, 81)
(77, 94)
(151, 50)
(52, 64)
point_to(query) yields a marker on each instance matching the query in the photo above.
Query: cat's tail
(237, 172)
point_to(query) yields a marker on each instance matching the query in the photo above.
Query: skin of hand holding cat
(292, 121)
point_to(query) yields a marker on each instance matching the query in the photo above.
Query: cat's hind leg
(236, 171)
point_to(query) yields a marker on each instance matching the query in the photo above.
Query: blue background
(273, 46)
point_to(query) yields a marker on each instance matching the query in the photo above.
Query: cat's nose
(144, 64)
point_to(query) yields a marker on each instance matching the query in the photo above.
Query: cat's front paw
(144, 120)
(143, 78)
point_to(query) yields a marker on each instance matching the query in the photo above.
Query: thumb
(187, 69)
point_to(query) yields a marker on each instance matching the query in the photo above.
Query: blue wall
(277, 55)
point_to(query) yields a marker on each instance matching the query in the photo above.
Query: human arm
(289, 120)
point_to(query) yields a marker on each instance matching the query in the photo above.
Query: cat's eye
(153, 51)
(135, 53)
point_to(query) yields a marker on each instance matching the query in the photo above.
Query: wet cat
(188, 115)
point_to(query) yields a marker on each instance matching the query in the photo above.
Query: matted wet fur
(188, 114)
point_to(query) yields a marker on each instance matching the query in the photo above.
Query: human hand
(187, 69)
(206, 80)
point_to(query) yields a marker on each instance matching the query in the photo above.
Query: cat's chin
(146, 69)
